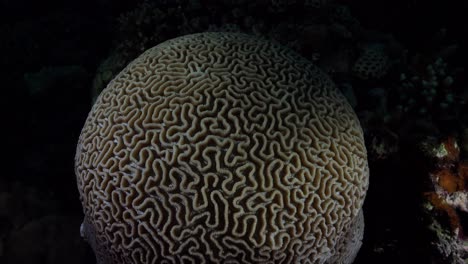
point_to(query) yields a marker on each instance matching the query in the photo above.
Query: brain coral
(221, 148)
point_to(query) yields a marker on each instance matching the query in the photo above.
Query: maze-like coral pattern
(348, 244)
(220, 148)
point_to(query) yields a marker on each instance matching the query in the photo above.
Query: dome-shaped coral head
(222, 148)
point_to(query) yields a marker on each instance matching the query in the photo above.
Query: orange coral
(450, 177)
(440, 205)
(452, 174)
(449, 181)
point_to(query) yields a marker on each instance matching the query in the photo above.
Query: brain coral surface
(220, 148)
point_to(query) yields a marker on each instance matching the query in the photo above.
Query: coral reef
(400, 64)
(447, 200)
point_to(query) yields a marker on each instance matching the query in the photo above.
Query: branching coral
(428, 91)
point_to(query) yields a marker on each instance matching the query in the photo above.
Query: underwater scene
(234, 131)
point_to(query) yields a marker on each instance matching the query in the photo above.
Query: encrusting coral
(447, 200)
(222, 148)
(372, 64)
